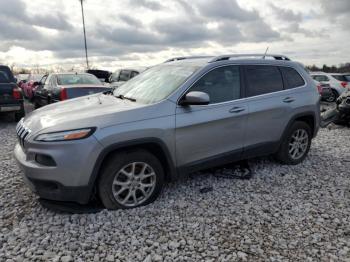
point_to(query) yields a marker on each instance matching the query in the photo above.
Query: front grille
(22, 132)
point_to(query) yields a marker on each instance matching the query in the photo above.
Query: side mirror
(195, 98)
(36, 83)
(15, 80)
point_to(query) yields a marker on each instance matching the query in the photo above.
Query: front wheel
(296, 144)
(130, 179)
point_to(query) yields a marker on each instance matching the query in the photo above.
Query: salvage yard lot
(282, 213)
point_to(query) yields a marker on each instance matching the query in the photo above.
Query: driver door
(213, 134)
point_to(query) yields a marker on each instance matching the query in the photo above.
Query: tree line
(342, 68)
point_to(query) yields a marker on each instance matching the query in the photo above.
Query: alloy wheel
(298, 144)
(133, 184)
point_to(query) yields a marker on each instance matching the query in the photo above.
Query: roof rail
(185, 57)
(262, 56)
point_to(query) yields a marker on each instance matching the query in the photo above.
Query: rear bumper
(13, 107)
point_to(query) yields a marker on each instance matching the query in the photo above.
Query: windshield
(156, 83)
(77, 79)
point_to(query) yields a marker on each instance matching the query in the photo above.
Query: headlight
(66, 135)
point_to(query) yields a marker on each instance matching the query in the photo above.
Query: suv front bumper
(69, 178)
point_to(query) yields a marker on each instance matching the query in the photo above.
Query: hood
(94, 110)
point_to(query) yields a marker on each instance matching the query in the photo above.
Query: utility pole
(86, 52)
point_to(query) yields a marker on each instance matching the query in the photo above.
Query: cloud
(148, 4)
(286, 14)
(226, 9)
(15, 11)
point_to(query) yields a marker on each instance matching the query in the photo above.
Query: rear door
(212, 134)
(270, 108)
(7, 84)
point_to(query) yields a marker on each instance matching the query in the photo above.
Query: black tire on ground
(19, 114)
(334, 96)
(283, 155)
(116, 163)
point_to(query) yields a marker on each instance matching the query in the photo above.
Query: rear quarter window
(291, 77)
(263, 79)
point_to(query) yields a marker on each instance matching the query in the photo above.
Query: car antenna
(265, 52)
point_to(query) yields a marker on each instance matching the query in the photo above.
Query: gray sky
(146, 32)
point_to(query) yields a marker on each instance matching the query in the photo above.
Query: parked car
(59, 87)
(11, 99)
(325, 91)
(102, 75)
(336, 81)
(31, 83)
(119, 77)
(174, 118)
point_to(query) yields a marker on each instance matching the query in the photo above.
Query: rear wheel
(296, 144)
(130, 179)
(334, 95)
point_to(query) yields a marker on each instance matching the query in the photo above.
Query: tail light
(344, 84)
(63, 94)
(319, 88)
(16, 93)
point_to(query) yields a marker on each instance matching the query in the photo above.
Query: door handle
(288, 100)
(236, 109)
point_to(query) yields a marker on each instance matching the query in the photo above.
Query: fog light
(45, 160)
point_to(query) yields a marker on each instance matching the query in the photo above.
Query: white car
(337, 82)
(120, 76)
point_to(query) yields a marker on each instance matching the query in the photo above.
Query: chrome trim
(22, 132)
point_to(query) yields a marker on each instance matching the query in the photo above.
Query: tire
(116, 183)
(332, 98)
(285, 152)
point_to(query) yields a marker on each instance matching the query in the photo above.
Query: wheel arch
(152, 145)
(306, 117)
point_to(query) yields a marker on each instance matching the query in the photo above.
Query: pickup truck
(11, 98)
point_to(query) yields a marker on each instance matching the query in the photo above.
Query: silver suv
(184, 115)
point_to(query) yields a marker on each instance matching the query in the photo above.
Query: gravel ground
(283, 213)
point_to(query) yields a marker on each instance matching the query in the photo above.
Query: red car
(32, 82)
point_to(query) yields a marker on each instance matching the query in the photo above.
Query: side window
(124, 75)
(263, 79)
(221, 84)
(291, 77)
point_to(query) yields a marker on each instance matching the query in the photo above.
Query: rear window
(320, 78)
(340, 77)
(262, 79)
(347, 78)
(124, 75)
(5, 75)
(291, 77)
(77, 79)
(78, 92)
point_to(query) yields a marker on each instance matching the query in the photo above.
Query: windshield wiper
(125, 97)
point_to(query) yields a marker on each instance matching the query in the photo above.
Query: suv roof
(241, 58)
